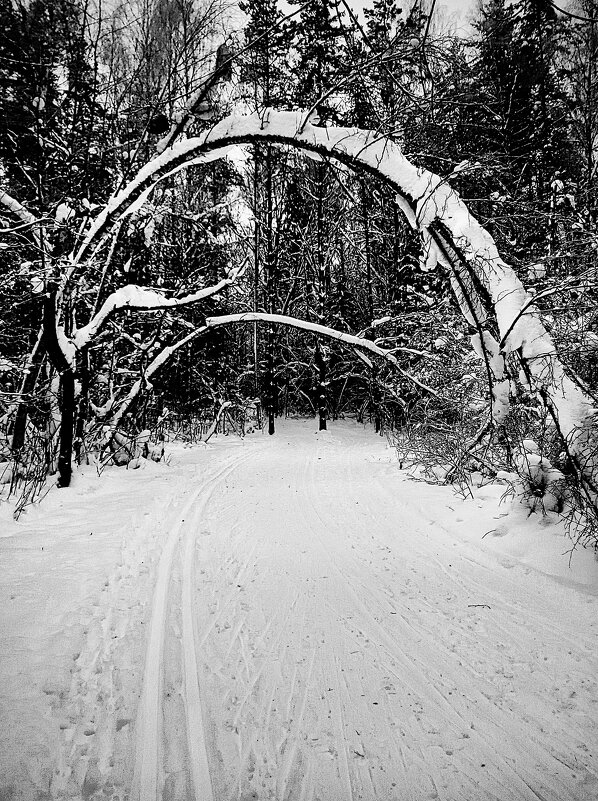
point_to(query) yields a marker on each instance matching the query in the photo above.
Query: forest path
(291, 618)
(337, 639)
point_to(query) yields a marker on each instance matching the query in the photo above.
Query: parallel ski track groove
(417, 682)
(391, 645)
(147, 772)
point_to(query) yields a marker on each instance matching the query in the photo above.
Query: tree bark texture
(66, 400)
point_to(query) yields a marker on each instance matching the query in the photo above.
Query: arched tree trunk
(487, 289)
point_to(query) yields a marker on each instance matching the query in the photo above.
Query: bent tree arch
(488, 292)
(349, 340)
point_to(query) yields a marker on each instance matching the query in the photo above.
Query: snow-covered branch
(198, 104)
(153, 367)
(213, 322)
(23, 214)
(452, 235)
(140, 298)
(322, 330)
(134, 195)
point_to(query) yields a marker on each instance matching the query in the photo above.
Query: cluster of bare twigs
(525, 453)
(24, 473)
(28, 474)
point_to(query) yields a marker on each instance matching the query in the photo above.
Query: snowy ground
(292, 618)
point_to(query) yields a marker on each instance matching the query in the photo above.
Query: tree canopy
(169, 160)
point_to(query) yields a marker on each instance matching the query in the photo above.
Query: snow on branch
(429, 203)
(132, 296)
(16, 208)
(136, 192)
(322, 330)
(22, 213)
(423, 197)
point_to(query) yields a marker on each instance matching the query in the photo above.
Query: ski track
(348, 665)
(149, 779)
(313, 637)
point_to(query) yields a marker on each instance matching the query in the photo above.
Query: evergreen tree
(578, 71)
(321, 64)
(9, 75)
(517, 57)
(386, 39)
(264, 66)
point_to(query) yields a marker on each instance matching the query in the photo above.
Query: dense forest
(152, 286)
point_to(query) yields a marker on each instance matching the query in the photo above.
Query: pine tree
(264, 65)
(320, 64)
(578, 71)
(9, 74)
(518, 46)
(318, 40)
(386, 39)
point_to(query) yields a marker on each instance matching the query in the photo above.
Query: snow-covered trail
(314, 625)
(351, 647)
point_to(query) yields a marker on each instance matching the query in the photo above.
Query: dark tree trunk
(28, 385)
(271, 392)
(322, 405)
(256, 273)
(67, 422)
(82, 407)
(368, 253)
(320, 359)
(66, 401)
(271, 387)
(376, 402)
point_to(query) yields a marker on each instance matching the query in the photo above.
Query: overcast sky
(460, 10)
(457, 10)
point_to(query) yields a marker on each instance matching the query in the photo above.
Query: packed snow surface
(293, 618)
